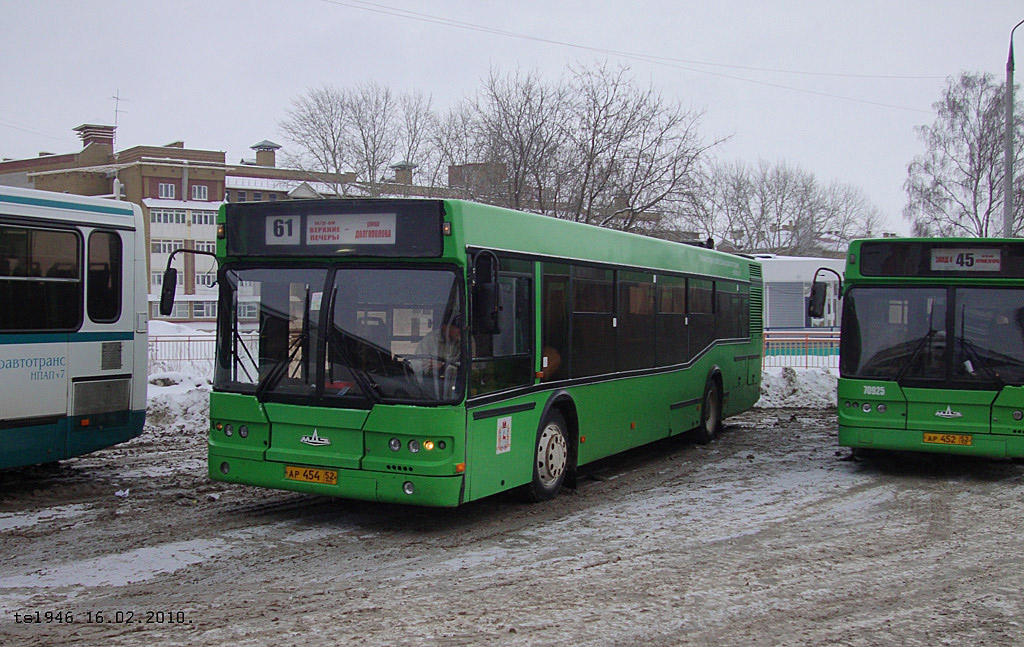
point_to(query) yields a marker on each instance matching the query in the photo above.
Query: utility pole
(1008, 139)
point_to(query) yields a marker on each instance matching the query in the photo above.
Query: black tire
(710, 414)
(550, 458)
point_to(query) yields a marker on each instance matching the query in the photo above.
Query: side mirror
(167, 292)
(816, 304)
(486, 300)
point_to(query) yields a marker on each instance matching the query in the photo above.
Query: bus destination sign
(966, 259)
(343, 227)
(332, 229)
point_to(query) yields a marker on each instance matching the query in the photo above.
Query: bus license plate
(961, 440)
(311, 475)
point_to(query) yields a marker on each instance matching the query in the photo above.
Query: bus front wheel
(711, 414)
(551, 458)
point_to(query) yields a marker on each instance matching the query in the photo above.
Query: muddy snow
(768, 536)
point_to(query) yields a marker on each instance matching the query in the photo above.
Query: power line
(364, 5)
(34, 132)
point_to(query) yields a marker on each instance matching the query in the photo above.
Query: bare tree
(414, 130)
(372, 137)
(361, 130)
(955, 187)
(317, 125)
(517, 119)
(780, 209)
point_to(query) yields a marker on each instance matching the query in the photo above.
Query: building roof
(265, 145)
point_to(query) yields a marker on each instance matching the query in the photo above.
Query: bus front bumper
(385, 487)
(993, 445)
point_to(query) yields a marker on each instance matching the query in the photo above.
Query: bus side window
(54, 300)
(504, 359)
(103, 295)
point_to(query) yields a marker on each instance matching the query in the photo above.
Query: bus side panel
(741, 381)
(621, 414)
(500, 445)
(34, 378)
(31, 444)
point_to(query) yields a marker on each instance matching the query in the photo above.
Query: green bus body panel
(342, 428)
(986, 416)
(615, 413)
(496, 228)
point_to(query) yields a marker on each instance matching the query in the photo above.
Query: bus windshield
(341, 336)
(971, 336)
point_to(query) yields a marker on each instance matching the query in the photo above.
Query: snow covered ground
(769, 535)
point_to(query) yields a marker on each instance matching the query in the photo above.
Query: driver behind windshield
(441, 348)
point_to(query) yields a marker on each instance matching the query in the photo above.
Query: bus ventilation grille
(756, 299)
(101, 396)
(110, 359)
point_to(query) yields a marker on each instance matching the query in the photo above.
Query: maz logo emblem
(317, 441)
(948, 413)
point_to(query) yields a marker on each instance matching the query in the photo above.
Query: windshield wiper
(362, 379)
(926, 340)
(281, 368)
(972, 349)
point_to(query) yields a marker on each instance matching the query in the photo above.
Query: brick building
(179, 190)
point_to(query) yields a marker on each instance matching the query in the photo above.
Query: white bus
(72, 325)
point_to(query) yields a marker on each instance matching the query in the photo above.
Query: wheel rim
(552, 454)
(711, 410)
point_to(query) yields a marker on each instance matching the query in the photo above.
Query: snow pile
(811, 388)
(159, 328)
(177, 403)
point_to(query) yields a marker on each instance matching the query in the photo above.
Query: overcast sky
(805, 82)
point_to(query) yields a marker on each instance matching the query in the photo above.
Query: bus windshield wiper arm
(972, 351)
(365, 383)
(926, 340)
(279, 370)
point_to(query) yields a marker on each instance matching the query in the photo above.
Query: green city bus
(435, 352)
(932, 346)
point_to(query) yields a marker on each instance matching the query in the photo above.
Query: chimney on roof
(96, 134)
(403, 172)
(266, 153)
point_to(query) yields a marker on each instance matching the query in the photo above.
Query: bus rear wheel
(551, 458)
(711, 414)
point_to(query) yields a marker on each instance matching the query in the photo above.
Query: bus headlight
(243, 431)
(1017, 415)
(408, 488)
(394, 444)
(228, 430)
(414, 446)
(881, 408)
(866, 408)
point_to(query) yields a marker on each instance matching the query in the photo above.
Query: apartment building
(180, 190)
